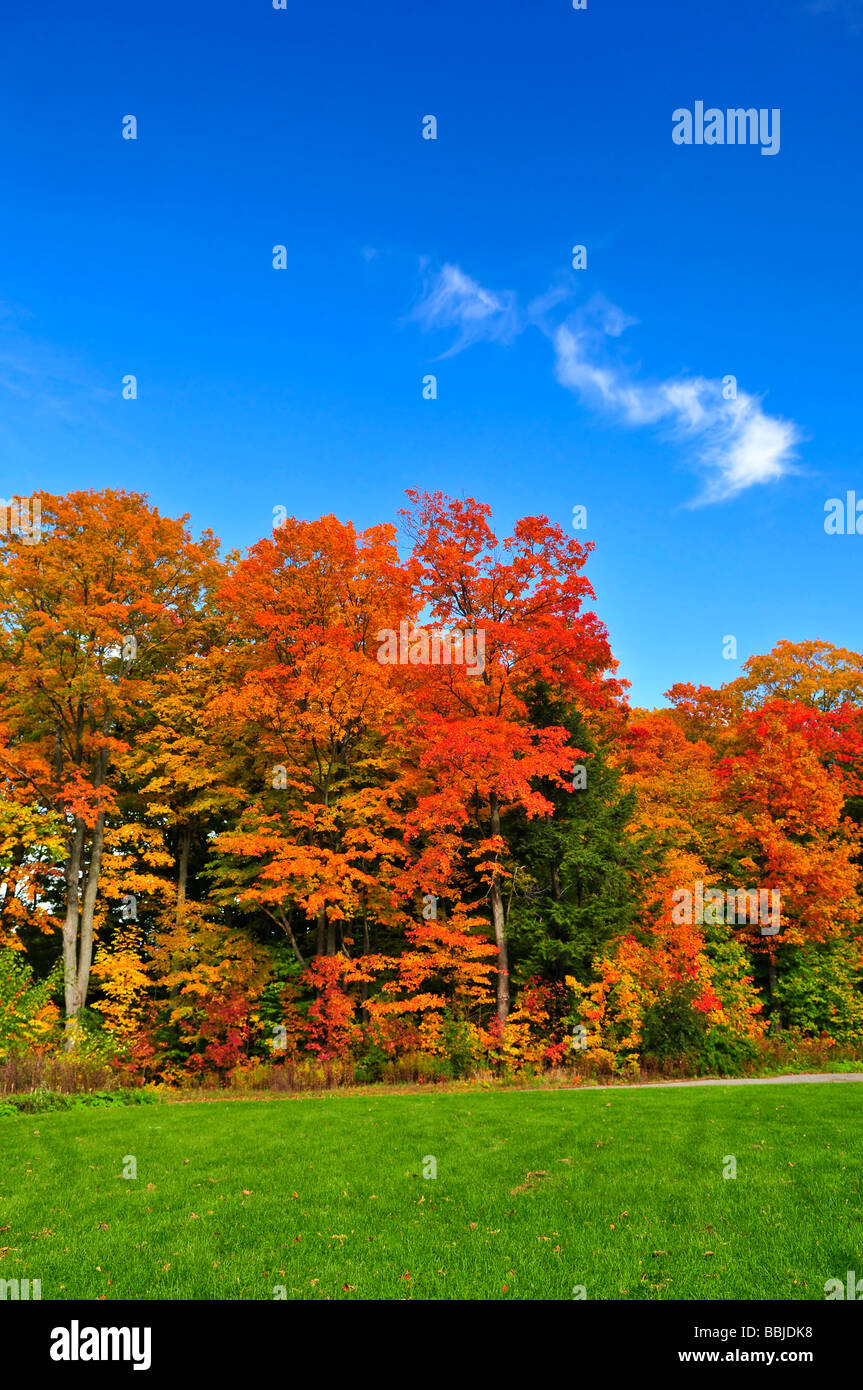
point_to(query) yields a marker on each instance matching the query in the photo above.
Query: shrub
(28, 1015)
(371, 1065)
(69, 1073)
(819, 991)
(678, 1036)
(459, 1045)
(36, 1102)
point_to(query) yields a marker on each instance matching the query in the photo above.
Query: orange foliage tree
(322, 725)
(520, 605)
(109, 597)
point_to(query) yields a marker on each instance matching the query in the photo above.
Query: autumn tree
(785, 825)
(813, 673)
(320, 722)
(89, 616)
(521, 604)
(31, 855)
(178, 770)
(787, 742)
(668, 983)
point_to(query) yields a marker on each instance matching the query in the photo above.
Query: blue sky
(556, 387)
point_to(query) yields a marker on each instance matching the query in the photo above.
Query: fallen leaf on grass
(528, 1182)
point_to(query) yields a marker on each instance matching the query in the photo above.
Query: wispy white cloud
(48, 394)
(452, 299)
(734, 442)
(737, 444)
(34, 371)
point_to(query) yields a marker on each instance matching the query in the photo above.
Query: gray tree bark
(80, 911)
(499, 923)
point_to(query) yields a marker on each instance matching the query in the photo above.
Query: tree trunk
(78, 926)
(183, 869)
(497, 916)
(366, 951)
(322, 927)
(555, 883)
(775, 1017)
(297, 952)
(182, 882)
(88, 910)
(70, 935)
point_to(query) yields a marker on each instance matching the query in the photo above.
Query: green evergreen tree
(575, 872)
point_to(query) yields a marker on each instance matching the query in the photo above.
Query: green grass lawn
(536, 1192)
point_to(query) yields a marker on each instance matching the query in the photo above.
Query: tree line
(273, 805)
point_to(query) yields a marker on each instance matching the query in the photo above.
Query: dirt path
(740, 1081)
